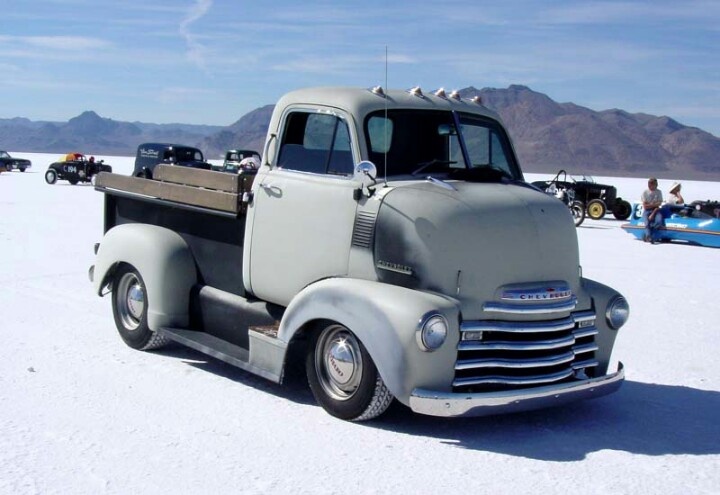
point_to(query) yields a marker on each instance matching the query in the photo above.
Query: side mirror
(366, 173)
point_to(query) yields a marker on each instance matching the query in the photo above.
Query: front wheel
(129, 303)
(51, 176)
(22, 169)
(578, 212)
(343, 377)
(596, 209)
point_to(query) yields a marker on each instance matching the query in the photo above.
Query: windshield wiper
(434, 161)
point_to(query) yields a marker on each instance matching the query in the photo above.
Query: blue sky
(212, 61)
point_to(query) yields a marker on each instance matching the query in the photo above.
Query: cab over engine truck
(389, 241)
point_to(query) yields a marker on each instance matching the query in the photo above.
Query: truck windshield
(454, 145)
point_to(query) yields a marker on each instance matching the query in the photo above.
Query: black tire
(22, 169)
(73, 181)
(51, 176)
(343, 377)
(129, 304)
(578, 212)
(622, 210)
(596, 209)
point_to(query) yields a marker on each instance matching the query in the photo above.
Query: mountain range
(547, 135)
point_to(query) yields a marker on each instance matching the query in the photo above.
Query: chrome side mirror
(366, 174)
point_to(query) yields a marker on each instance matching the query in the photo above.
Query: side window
(317, 143)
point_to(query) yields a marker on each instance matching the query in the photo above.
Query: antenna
(386, 118)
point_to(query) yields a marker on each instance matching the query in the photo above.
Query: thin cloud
(179, 94)
(56, 43)
(195, 50)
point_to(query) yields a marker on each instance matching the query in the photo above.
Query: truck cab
(149, 155)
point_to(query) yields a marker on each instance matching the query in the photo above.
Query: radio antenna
(385, 131)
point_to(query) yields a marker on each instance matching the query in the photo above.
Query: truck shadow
(294, 387)
(641, 418)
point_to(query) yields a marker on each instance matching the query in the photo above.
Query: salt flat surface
(82, 413)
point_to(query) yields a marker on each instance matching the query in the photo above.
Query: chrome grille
(499, 355)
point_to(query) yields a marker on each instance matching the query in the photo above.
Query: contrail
(195, 49)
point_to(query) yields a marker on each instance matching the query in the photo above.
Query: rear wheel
(73, 181)
(51, 176)
(129, 303)
(578, 212)
(343, 377)
(22, 169)
(596, 209)
(622, 210)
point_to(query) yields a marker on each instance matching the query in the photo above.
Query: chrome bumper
(450, 404)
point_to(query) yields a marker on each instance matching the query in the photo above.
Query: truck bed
(206, 208)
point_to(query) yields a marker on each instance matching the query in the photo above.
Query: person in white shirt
(674, 196)
(652, 216)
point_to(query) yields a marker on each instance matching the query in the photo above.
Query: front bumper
(450, 404)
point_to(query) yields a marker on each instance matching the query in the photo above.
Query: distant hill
(89, 133)
(547, 135)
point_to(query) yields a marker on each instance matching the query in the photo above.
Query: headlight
(432, 331)
(617, 312)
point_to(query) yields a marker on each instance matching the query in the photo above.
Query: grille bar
(518, 327)
(517, 346)
(512, 380)
(515, 363)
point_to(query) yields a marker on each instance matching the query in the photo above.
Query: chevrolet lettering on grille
(553, 293)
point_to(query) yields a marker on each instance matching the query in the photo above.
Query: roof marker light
(378, 90)
(455, 95)
(477, 99)
(416, 91)
(441, 93)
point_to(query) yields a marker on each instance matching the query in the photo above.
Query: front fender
(385, 318)
(163, 260)
(605, 339)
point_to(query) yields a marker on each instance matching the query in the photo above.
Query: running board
(222, 350)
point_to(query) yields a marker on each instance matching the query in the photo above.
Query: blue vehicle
(681, 223)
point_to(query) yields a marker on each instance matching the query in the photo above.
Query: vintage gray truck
(388, 243)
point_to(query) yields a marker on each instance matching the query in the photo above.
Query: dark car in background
(74, 168)
(9, 163)
(234, 164)
(149, 155)
(598, 199)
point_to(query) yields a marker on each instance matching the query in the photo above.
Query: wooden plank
(197, 177)
(131, 184)
(207, 198)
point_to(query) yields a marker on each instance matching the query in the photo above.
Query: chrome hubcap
(131, 301)
(338, 361)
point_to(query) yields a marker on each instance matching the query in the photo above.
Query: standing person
(651, 200)
(674, 197)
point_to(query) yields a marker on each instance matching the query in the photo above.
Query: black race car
(9, 163)
(74, 168)
(597, 198)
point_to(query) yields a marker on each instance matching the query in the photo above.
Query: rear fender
(385, 318)
(163, 260)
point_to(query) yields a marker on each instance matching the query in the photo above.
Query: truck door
(301, 218)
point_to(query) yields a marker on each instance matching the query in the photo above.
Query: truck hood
(474, 239)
